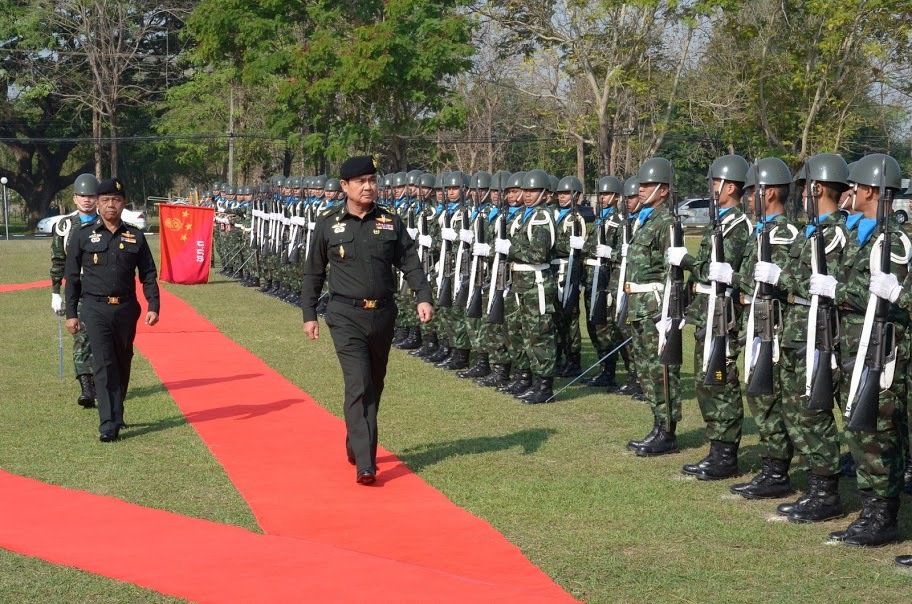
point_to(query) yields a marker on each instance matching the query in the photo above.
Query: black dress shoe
(366, 476)
(904, 561)
(108, 436)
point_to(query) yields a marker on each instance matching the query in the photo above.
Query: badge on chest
(95, 238)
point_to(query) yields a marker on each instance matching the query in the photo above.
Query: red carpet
(285, 455)
(13, 287)
(209, 562)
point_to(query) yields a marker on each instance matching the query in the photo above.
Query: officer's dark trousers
(362, 338)
(111, 329)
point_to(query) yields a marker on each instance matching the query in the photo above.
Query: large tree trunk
(96, 135)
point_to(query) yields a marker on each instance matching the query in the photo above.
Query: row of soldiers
(817, 312)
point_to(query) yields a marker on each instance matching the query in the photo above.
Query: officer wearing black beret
(362, 242)
(103, 259)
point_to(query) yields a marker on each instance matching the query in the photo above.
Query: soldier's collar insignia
(339, 227)
(384, 218)
(95, 238)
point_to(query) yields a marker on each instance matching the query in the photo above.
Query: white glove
(767, 272)
(413, 233)
(56, 303)
(466, 236)
(502, 246)
(885, 285)
(721, 271)
(624, 248)
(449, 234)
(603, 251)
(425, 241)
(823, 285)
(675, 255)
(576, 243)
(662, 326)
(481, 249)
(312, 225)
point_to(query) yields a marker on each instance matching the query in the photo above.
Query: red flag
(186, 243)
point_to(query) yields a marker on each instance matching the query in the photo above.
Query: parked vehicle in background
(136, 218)
(901, 202)
(694, 211)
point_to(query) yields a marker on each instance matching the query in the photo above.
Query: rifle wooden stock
(673, 352)
(822, 391)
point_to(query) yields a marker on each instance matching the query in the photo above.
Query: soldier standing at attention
(720, 401)
(566, 312)
(361, 242)
(646, 276)
(85, 196)
(103, 258)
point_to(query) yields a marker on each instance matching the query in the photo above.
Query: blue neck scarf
(88, 218)
(562, 213)
(512, 212)
(764, 221)
(866, 228)
(853, 220)
(527, 212)
(810, 228)
(643, 215)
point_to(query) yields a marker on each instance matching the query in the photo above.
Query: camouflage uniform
(566, 320)
(82, 352)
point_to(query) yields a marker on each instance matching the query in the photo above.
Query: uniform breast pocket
(383, 245)
(341, 246)
(95, 254)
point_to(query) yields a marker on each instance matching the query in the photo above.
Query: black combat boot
(722, 462)
(908, 475)
(479, 369)
(607, 378)
(442, 352)
(633, 445)
(572, 369)
(882, 526)
(543, 393)
(458, 360)
(252, 281)
(412, 341)
(520, 383)
(664, 442)
(267, 286)
(533, 386)
(399, 334)
(87, 395)
(860, 524)
(559, 363)
(771, 483)
(822, 502)
(631, 387)
(439, 364)
(428, 347)
(499, 376)
(903, 561)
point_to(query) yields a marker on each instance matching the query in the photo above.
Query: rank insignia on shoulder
(95, 238)
(339, 227)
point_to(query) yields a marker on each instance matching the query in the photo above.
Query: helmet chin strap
(651, 195)
(853, 196)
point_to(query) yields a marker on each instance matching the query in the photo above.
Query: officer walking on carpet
(102, 260)
(362, 243)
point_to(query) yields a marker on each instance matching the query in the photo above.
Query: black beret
(358, 165)
(112, 186)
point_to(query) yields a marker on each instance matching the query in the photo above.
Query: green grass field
(555, 479)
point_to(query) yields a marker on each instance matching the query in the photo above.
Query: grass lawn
(556, 479)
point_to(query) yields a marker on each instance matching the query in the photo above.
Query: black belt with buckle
(361, 302)
(110, 299)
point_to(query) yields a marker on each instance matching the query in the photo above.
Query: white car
(694, 211)
(137, 219)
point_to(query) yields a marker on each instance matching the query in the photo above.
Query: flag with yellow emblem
(186, 243)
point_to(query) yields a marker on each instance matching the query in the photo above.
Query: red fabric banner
(186, 243)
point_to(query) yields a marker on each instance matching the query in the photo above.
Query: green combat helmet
(280, 182)
(655, 170)
(631, 187)
(412, 176)
(427, 180)
(536, 179)
(318, 182)
(729, 167)
(825, 167)
(553, 181)
(332, 185)
(85, 184)
(773, 173)
(216, 187)
(400, 179)
(229, 190)
(456, 179)
(610, 184)
(571, 184)
(516, 180)
(480, 180)
(876, 169)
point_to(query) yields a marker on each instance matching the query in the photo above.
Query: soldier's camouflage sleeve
(58, 261)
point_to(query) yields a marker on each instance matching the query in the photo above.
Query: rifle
(721, 312)
(572, 278)
(764, 311)
(479, 267)
(445, 284)
(410, 227)
(877, 351)
(462, 289)
(620, 301)
(598, 298)
(424, 253)
(499, 270)
(672, 308)
(820, 388)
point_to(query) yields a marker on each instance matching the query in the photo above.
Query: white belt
(298, 221)
(595, 262)
(528, 268)
(539, 280)
(643, 288)
(560, 262)
(709, 289)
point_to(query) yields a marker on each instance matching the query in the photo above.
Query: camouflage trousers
(513, 331)
(722, 406)
(452, 325)
(82, 351)
(880, 456)
(769, 416)
(813, 432)
(539, 341)
(567, 325)
(651, 372)
(607, 337)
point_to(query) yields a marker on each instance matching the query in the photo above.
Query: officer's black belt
(122, 299)
(362, 302)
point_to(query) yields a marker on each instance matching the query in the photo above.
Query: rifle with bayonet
(572, 277)
(598, 296)
(621, 299)
(462, 262)
(721, 311)
(820, 386)
(765, 311)
(499, 268)
(672, 351)
(479, 269)
(445, 287)
(877, 351)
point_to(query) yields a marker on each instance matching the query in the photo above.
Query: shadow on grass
(422, 456)
(148, 428)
